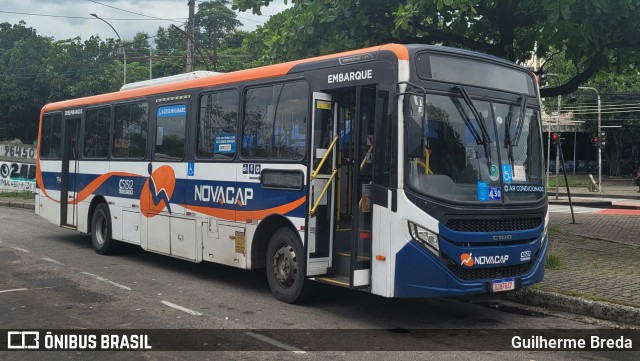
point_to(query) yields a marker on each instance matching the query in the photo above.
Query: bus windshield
(461, 164)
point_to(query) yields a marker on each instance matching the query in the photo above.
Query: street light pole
(549, 141)
(124, 55)
(599, 128)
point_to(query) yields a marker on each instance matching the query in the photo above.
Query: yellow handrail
(324, 159)
(324, 190)
(364, 160)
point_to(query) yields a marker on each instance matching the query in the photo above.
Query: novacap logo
(157, 191)
(467, 259)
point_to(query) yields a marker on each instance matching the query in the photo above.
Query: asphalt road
(50, 278)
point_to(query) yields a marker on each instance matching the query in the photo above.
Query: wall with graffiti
(17, 167)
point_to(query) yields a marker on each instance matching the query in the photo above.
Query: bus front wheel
(101, 230)
(286, 267)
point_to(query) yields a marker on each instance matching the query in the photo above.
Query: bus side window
(51, 131)
(130, 130)
(275, 121)
(96, 133)
(217, 125)
(290, 138)
(258, 121)
(171, 123)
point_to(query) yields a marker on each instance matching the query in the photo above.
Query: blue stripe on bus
(190, 192)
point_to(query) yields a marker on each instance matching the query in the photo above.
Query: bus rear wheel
(286, 267)
(101, 230)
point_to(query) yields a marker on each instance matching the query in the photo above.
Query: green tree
(618, 92)
(35, 70)
(593, 34)
(170, 54)
(23, 80)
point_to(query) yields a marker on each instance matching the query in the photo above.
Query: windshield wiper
(523, 108)
(485, 140)
(508, 143)
(507, 138)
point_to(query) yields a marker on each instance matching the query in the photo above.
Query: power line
(80, 17)
(131, 12)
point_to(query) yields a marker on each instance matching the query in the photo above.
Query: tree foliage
(620, 94)
(593, 34)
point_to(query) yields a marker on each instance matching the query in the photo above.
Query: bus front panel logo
(157, 191)
(467, 259)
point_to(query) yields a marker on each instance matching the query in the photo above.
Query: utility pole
(599, 130)
(558, 146)
(549, 141)
(191, 31)
(214, 37)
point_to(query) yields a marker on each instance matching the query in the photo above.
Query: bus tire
(286, 267)
(101, 230)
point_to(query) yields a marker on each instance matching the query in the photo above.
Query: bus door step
(342, 281)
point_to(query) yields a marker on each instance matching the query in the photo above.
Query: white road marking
(107, 281)
(275, 343)
(52, 261)
(183, 309)
(13, 290)
(21, 249)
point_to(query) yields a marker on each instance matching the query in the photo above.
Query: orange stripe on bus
(232, 215)
(96, 183)
(86, 191)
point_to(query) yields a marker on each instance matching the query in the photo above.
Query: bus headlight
(427, 238)
(544, 236)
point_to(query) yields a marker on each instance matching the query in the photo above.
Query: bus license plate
(506, 284)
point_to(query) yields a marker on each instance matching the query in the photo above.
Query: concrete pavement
(594, 258)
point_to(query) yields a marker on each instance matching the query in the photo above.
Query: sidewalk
(593, 254)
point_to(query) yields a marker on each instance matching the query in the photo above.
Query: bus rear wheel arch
(286, 267)
(101, 230)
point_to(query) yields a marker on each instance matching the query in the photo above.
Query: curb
(27, 205)
(634, 196)
(589, 203)
(597, 309)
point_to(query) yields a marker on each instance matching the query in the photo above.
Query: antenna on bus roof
(169, 79)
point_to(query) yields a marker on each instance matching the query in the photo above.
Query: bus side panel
(208, 189)
(49, 204)
(87, 177)
(123, 191)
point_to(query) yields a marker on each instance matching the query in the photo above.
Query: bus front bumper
(421, 274)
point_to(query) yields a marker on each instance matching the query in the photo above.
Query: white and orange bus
(404, 171)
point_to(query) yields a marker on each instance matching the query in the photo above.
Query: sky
(70, 18)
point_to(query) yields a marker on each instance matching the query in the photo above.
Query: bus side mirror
(415, 140)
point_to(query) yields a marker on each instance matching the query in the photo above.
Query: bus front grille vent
(469, 274)
(493, 224)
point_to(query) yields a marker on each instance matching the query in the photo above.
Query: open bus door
(322, 185)
(343, 216)
(68, 181)
(361, 195)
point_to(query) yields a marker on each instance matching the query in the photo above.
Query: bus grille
(493, 224)
(469, 274)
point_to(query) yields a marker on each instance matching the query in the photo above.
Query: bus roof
(264, 72)
(169, 79)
